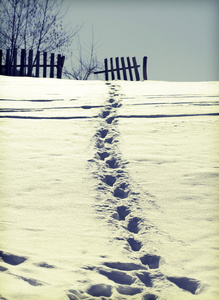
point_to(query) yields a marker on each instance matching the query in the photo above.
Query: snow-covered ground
(109, 190)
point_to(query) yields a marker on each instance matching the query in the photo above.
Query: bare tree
(84, 61)
(34, 24)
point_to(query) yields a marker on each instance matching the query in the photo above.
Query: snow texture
(108, 189)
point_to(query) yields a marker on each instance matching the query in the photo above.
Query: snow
(109, 190)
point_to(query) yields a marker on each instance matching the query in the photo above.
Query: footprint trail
(118, 194)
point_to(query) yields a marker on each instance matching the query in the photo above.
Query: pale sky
(179, 37)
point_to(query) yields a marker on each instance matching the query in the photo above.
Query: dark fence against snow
(28, 63)
(114, 68)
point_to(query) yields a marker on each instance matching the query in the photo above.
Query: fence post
(59, 68)
(106, 69)
(145, 68)
(136, 68)
(38, 64)
(15, 62)
(62, 64)
(0, 62)
(7, 64)
(30, 63)
(123, 68)
(129, 68)
(117, 68)
(112, 72)
(23, 60)
(44, 63)
(52, 65)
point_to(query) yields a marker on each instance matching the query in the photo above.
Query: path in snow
(118, 195)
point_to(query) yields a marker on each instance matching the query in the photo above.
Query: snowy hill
(108, 189)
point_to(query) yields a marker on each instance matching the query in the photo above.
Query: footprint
(123, 211)
(103, 133)
(123, 185)
(124, 266)
(128, 290)
(109, 180)
(118, 277)
(12, 259)
(152, 261)
(121, 193)
(99, 290)
(3, 269)
(105, 113)
(133, 225)
(112, 163)
(99, 144)
(188, 284)
(110, 120)
(111, 100)
(116, 104)
(103, 155)
(149, 297)
(135, 245)
(109, 140)
(145, 278)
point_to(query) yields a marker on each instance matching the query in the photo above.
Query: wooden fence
(110, 69)
(27, 64)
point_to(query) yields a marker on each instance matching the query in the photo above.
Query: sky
(179, 37)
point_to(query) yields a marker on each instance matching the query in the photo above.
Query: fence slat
(145, 68)
(106, 69)
(123, 68)
(44, 63)
(30, 63)
(52, 65)
(23, 62)
(14, 69)
(62, 60)
(117, 68)
(129, 68)
(0, 62)
(38, 64)
(112, 72)
(59, 66)
(136, 68)
(7, 64)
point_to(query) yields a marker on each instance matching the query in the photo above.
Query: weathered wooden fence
(110, 69)
(28, 63)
